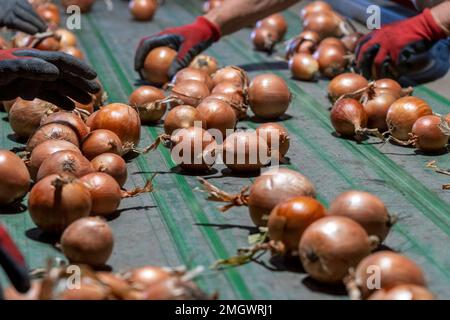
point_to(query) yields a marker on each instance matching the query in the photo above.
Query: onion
(174, 288)
(269, 96)
(205, 63)
(332, 60)
(84, 5)
(265, 38)
(65, 162)
(235, 100)
(366, 209)
(143, 10)
(73, 51)
(315, 7)
(86, 107)
(121, 119)
(427, 135)
(88, 241)
(57, 201)
(325, 23)
(11, 293)
(392, 269)
(346, 83)
(4, 44)
(402, 115)
(15, 179)
(118, 287)
(25, 116)
(105, 193)
(403, 292)
(181, 117)
(52, 131)
(48, 44)
(233, 74)
(146, 277)
(69, 119)
(275, 21)
(228, 88)
(349, 118)
(289, 220)
(351, 41)
(90, 119)
(191, 73)
(331, 246)
(271, 130)
(377, 108)
(391, 86)
(303, 66)
(7, 105)
(44, 151)
(190, 92)
(113, 165)
(49, 12)
(149, 102)
(157, 64)
(101, 141)
(66, 38)
(217, 114)
(332, 41)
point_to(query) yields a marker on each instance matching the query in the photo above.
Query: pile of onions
(427, 135)
(143, 10)
(289, 220)
(157, 64)
(149, 102)
(270, 130)
(69, 119)
(265, 38)
(393, 269)
(219, 115)
(402, 115)
(346, 83)
(275, 21)
(303, 66)
(269, 96)
(49, 12)
(332, 60)
(364, 208)
(57, 201)
(113, 165)
(88, 241)
(101, 141)
(52, 131)
(183, 116)
(349, 118)
(331, 246)
(84, 5)
(191, 73)
(15, 179)
(403, 292)
(121, 119)
(25, 116)
(233, 74)
(65, 162)
(66, 38)
(315, 7)
(205, 63)
(326, 23)
(190, 92)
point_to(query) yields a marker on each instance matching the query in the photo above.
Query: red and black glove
(12, 261)
(385, 52)
(188, 40)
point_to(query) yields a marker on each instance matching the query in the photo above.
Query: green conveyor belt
(175, 225)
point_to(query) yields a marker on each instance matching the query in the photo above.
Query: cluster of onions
(47, 41)
(269, 32)
(143, 10)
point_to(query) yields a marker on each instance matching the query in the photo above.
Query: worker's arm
(189, 40)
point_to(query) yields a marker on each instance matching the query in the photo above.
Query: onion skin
(351, 41)
(180, 117)
(49, 12)
(364, 208)
(402, 115)
(86, 107)
(217, 114)
(73, 51)
(269, 96)
(289, 219)
(231, 73)
(205, 63)
(303, 66)
(113, 165)
(157, 64)
(88, 241)
(275, 21)
(393, 269)
(55, 202)
(348, 117)
(66, 38)
(266, 130)
(235, 100)
(388, 85)
(377, 109)
(146, 277)
(69, 119)
(101, 141)
(403, 292)
(346, 83)
(427, 135)
(105, 193)
(264, 38)
(15, 179)
(331, 246)
(65, 162)
(146, 99)
(7, 105)
(325, 23)
(191, 73)
(48, 44)
(52, 131)
(331, 60)
(121, 119)
(274, 187)
(143, 10)
(228, 88)
(315, 7)
(190, 92)
(11, 293)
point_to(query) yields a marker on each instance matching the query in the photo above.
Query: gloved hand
(12, 261)
(188, 40)
(20, 15)
(50, 76)
(383, 52)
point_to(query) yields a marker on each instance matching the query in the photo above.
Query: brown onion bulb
(88, 241)
(402, 115)
(121, 119)
(143, 10)
(48, 44)
(315, 7)
(69, 119)
(149, 102)
(235, 100)
(84, 5)
(403, 292)
(205, 63)
(332, 41)
(190, 92)
(146, 277)
(269, 96)
(65, 162)
(57, 201)
(325, 23)
(66, 38)
(233, 74)
(52, 131)
(86, 107)
(15, 179)
(305, 42)
(331, 59)
(181, 117)
(191, 73)
(73, 51)
(101, 141)
(157, 64)
(331, 246)
(303, 66)
(270, 130)
(174, 288)
(377, 108)
(346, 83)
(33, 293)
(351, 41)
(348, 117)
(105, 193)
(427, 135)
(265, 38)
(7, 105)
(217, 114)
(388, 85)
(49, 12)
(228, 88)
(366, 209)
(289, 220)
(113, 165)
(275, 21)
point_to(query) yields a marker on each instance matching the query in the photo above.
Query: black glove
(51, 76)
(20, 15)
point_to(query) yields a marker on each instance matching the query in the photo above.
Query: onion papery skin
(147, 276)
(403, 292)
(69, 119)
(49, 12)
(52, 131)
(146, 99)
(73, 51)
(427, 135)
(15, 179)
(331, 246)
(235, 100)
(157, 64)
(377, 109)
(264, 38)
(351, 41)
(289, 219)
(217, 114)
(190, 92)
(279, 132)
(402, 115)
(180, 117)
(325, 23)
(233, 74)
(113, 165)
(331, 59)
(88, 241)
(191, 73)
(143, 10)
(346, 83)
(105, 193)
(66, 38)
(65, 162)
(348, 117)
(101, 141)
(205, 63)
(57, 201)
(274, 187)
(303, 66)
(275, 21)
(315, 7)
(84, 5)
